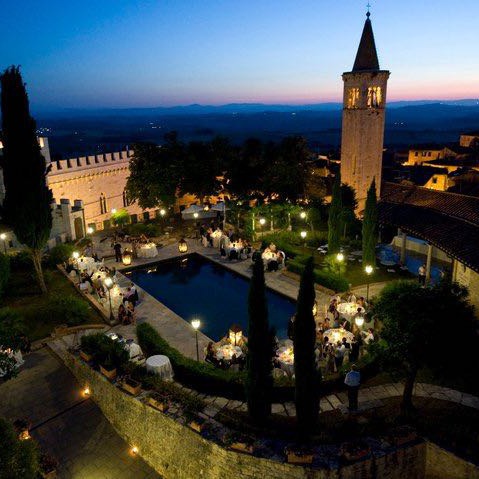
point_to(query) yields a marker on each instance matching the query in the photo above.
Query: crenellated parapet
(90, 163)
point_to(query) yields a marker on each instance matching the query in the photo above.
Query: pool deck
(175, 329)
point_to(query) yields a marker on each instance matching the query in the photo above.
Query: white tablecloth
(147, 251)
(160, 365)
(337, 334)
(134, 350)
(227, 351)
(86, 263)
(286, 359)
(348, 310)
(216, 237)
(267, 257)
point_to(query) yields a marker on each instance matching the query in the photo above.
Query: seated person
(233, 254)
(210, 353)
(350, 297)
(122, 315)
(130, 311)
(362, 302)
(272, 265)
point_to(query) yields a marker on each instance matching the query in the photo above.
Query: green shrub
(324, 278)
(148, 229)
(4, 272)
(200, 376)
(120, 217)
(11, 328)
(21, 260)
(70, 310)
(60, 253)
(106, 351)
(17, 458)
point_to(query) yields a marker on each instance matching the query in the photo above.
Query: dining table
(285, 355)
(227, 351)
(349, 310)
(160, 365)
(148, 250)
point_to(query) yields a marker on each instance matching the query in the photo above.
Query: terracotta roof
(448, 221)
(367, 56)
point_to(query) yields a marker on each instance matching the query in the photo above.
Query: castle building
(364, 103)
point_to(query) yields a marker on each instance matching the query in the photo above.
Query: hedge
(60, 253)
(208, 379)
(202, 377)
(4, 272)
(323, 278)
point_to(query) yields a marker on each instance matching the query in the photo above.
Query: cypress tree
(259, 382)
(334, 219)
(370, 226)
(306, 373)
(27, 205)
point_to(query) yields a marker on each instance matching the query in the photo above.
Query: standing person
(422, 275)
(117, 248)
(352, 381)
(339, 353)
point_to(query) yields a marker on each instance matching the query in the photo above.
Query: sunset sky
(121, 53)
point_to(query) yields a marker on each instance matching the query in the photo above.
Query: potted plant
(89, 345)
(159, 402)
(299, 455)
(196, 423)
(241, 443)
(402, 435)
(108, 368)
(131, 386)
(354, 451)
(48, 466)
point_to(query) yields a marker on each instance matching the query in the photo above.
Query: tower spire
(367, 56)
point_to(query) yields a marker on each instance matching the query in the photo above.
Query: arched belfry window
(102, 204)
(375, 97)
(353, 98)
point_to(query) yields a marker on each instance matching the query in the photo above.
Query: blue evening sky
(118, 53)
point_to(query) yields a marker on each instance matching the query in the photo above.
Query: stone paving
(67, 425)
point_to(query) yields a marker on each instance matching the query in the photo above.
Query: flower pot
(158, 404)
(131, 386)
(197, 424)
(242, 447)
(108, 373)
(86, 356)
(297, 456)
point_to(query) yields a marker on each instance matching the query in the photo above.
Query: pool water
(194, 287)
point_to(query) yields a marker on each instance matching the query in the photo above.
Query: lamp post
(359, 321)
(162, 212)
(303, 215)
(196, 324)
(195, 215)
(340, 258)
(303, 235)
(368, 269)
(109, 284)
(3, 237)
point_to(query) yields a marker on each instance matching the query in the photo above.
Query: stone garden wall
(176, 451)
(441, 463)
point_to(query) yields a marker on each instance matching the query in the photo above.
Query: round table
(337, 334)
(161, 366)
(227, 351)
(286, 359)
(216, 237)
(348, 310)
(86, 263)
(147, 251)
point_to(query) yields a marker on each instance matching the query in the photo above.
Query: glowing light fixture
(90, 230)
(182, 246)
(302, 215)
(162, 212)
(359, 321)
(76, 255)
(303, 234)
(262, 221)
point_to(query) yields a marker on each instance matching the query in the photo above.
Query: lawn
(23, 295)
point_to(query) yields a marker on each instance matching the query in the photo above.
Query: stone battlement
(92, 161)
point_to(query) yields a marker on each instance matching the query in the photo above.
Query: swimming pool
(194, 287)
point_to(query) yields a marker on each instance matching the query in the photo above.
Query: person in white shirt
(353, 381)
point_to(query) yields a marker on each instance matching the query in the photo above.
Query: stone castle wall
(175, 451)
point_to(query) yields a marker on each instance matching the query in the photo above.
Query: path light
(262, 221)
(76, 255)
(182, 246)
(86, 391)
(195, 215)
(303, 235)
(368, 269)
(340, 258)
(3, 237)
(126, 259)
(134, 450)
(206, 208)
(196, 323)
(162, 212)
(109, 284)
(359, 321)
(302, 215)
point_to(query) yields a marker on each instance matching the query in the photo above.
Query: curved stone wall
(176, 451)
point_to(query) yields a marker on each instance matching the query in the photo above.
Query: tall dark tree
(370, 226)
(27, 205)
(155, 172)
(334, 218)
(259, 381)
(416, 332)
(307, 376)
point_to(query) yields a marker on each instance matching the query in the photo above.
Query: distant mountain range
(238, 108)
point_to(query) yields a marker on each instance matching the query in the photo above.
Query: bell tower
(364, 103)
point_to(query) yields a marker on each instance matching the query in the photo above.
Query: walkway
(66, 425)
